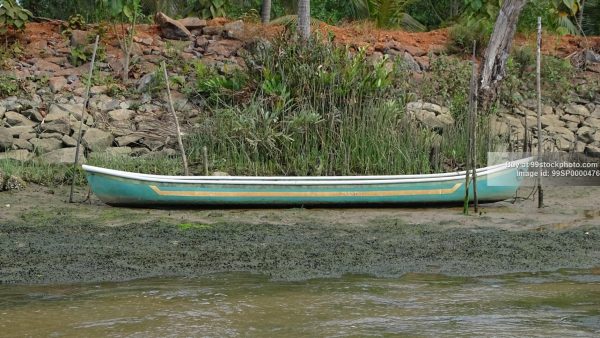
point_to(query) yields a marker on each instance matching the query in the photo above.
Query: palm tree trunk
(304, 19)
(266, 11)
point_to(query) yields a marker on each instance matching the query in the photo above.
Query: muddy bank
(45, 240)
(63, 252)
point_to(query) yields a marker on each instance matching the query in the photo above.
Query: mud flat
(43, 239)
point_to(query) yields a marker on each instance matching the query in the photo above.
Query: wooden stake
(474, 127)
(471, 169)
(205, 155)
(539, 111)
(172, 109)
(85, 104)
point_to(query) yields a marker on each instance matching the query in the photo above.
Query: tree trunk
(304, 19)
(493, 67)
(266, 11)
(580, 15)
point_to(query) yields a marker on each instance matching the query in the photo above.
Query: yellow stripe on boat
(306, 193)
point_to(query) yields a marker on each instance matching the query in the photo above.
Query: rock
(225, 48)
(127, 140)
(432, 107)
(570, 118)
(219, 173)
(6, 139)
(592, 150)
(592, 56)
(18, 155)
(153, 145)
(234, 30)
(57, 83)
(62, 111)
(56, 136)
(20, 131)
(192, 23)
(572, 126)
(61, 126)
(524, 111)
(2, 180)
(79, 38)
(551, 121)
(577, 109)
(438, 122)
(414, 50)
(16, 119)
(121, 114)
(97, 90)
(562, 143)
(14, 183)
(144, 82)
(171, 29)
(595, 114)
(97, 140)
(580, 147)
(104, 103)
(33, 114)
(586, 134)
(63, 156)
(411, 62)
(213, 30)
(592, 122)
(46, 145)
(118, 151)
(201, 42)
(136, 152)
(69, 141)
(23, 144)
(562, 132)
(45, 66)
(2, 111)
(498, 127)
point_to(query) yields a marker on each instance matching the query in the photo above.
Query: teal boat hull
(129, 189)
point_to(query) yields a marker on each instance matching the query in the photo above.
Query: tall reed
(314, 108)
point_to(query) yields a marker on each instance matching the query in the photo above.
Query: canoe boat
(119, 188)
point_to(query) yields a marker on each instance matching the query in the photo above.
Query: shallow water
(565, 303)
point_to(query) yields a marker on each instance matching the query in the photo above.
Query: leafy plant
(462, 35)
(208, 9)
(78, 56)
(13, 16)
(125, 11)
(9, 86)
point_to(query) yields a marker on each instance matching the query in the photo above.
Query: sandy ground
(44, 239)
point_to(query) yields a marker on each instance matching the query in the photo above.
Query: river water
(562, 304)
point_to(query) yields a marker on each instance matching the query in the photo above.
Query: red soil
(354, 35)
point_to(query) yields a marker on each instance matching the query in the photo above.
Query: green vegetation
(12, 16)
(39, 172)
(9, 86)
(561, 16)
(319, 109)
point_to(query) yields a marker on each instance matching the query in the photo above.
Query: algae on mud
(65, 250)
(43, 239)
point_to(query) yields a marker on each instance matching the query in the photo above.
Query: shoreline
(44, 240)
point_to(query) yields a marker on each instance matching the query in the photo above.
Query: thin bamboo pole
(205, 157)
(474, 127)
(172, 109)
(539, 111)
(85, 104)
(471, 172)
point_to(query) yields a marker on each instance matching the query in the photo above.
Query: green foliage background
(410, 14)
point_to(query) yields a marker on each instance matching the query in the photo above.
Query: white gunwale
(298, 180)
